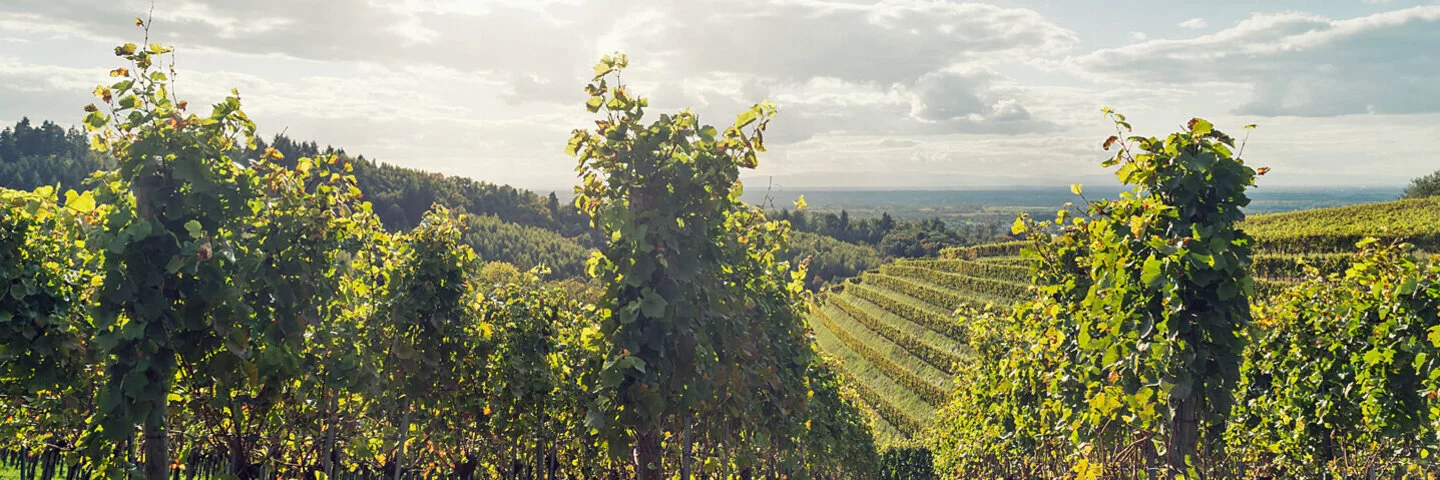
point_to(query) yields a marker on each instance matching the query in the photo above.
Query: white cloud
(888, 92)
(1194, 23)
(1297, 64)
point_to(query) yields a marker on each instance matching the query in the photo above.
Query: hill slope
(895, 332)
(898, 339)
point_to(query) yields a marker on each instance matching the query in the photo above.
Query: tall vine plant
(170, 242)
(218, 264)
(691, 273)
(1130, 357)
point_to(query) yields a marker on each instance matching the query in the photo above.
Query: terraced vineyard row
(946, 360)
(1337, 229)
(900, 324)
(898, 364)
(896, 405)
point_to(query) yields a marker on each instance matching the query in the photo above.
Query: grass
(891, 353)
(922, 387)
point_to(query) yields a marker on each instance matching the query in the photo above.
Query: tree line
(891, 237)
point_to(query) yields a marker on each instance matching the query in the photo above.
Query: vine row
(944, 361)
(999, 289)
(942, 324)
(923, 388)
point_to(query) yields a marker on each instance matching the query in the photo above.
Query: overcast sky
(901, 93)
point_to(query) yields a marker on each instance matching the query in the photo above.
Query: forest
(180, 298)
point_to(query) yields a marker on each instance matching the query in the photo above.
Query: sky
(890, 94)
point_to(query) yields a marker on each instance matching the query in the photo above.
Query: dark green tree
(1426, 186)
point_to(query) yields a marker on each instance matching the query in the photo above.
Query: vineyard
(902, 342)
(1049, 357)
(212, 309)
(897, 334)
(1415, 220)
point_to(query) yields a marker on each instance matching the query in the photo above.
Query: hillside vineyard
(206, 305)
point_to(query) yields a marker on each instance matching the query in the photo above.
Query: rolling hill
(895, 332)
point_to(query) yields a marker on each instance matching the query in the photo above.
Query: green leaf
(573, 147)
(746, 118)
(652, 304)
(637, 363)
(1373, 357)
(1075, 188)
(1150, 272)
(1125, 172)
(194, 228)
(95, 120)
(174, 264)
(1409, 286)
(594, 104)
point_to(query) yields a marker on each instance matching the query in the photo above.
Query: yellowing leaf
(79, 202)
(1019, 226)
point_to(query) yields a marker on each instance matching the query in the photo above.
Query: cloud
(884, 42)
(535, 56)
(1194, 23)
(896, 143)
(908, 92)
(1297, 64)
